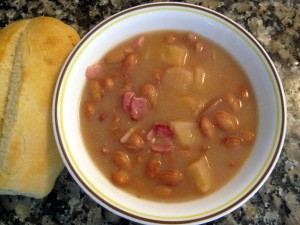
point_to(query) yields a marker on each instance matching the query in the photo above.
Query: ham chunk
(138, 108)
(163, 130)
(127, 100)
(92, 71)
(161, 138)
(138, 41)
(163, 144)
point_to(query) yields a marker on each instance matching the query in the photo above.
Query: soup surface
(168, 116)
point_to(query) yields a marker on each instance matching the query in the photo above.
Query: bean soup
(168, 116)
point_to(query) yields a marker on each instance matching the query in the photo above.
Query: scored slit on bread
(29, 159)
(10, 36)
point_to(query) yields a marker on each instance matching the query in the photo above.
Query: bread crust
(31, 161)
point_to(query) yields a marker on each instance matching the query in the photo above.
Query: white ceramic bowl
(214, 26)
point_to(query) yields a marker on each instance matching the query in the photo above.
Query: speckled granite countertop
(276, 24)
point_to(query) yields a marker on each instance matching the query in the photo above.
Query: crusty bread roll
(32, 53)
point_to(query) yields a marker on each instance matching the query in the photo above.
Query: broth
(168, 116)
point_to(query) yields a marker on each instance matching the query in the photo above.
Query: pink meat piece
(163, 130)
(127, 100)
(159, 130)
(161, 137)
(138, 41)
(150, 135)
(93, 70)
(161, 148)
(138, 108)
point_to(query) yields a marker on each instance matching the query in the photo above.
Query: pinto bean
(157, 73)
(171, 177)
(186, 153)
(170, 158)
(89, 109)
(162, 190)
(233, 141)
(234, 103)
(117, 133)
(105, 150)
(116, 120)
(139, 159)
(243, 92)
(135, 142)
(206, 127)
(170, 38)
(191, 37)
(121, 159)
(212, 104)
(128, 50)
(95, 90)
(120, 177)
(129, 62)
(232, 163)
(225, 121)
(102, 116)
(153, 168)
(198, 46)
(150, 93)
(156, 155)
(204, 148)
(229, 98)
(122, 81)
(108, 84)
(248, 136)
(115, 57)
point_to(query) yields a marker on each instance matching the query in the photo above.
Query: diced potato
(192, 102)
(199, 77)
(186, 132)
(174, 55)
(178, 78)
(200, 172)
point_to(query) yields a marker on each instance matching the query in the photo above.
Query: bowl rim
(129, 215)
